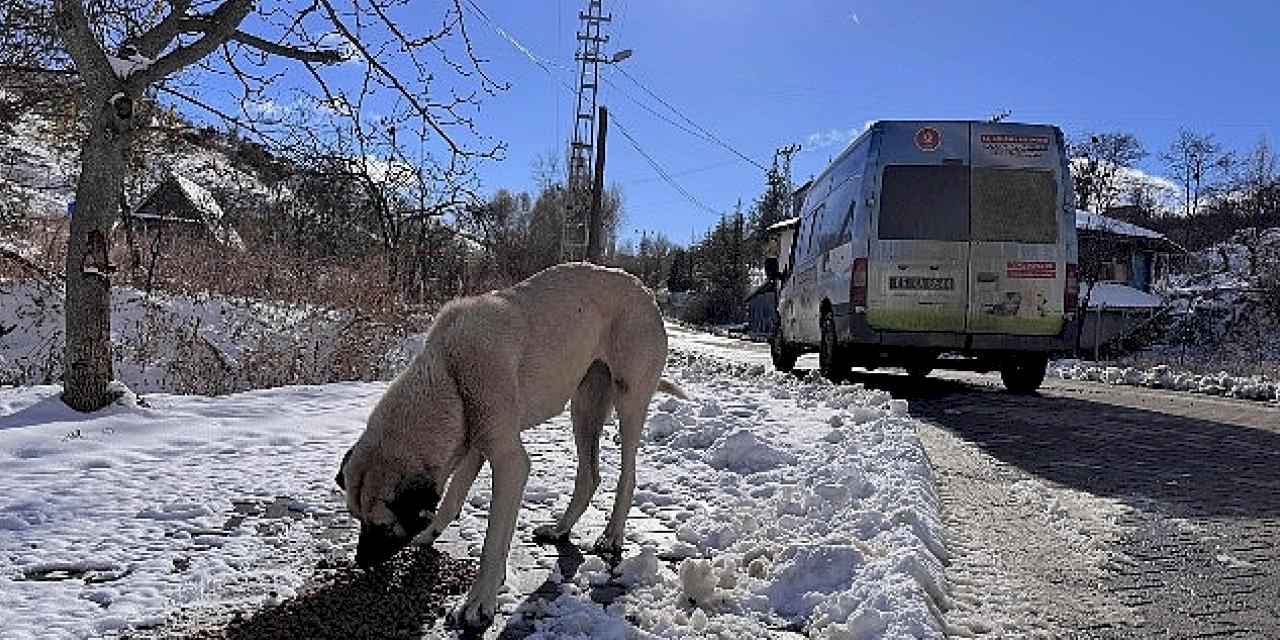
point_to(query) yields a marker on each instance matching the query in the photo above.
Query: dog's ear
(342, 482)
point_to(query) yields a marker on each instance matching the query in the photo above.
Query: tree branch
(223, 23)
(81, 43)
(157, 39)
(316, 56)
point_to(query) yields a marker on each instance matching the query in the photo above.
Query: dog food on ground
(397, 599)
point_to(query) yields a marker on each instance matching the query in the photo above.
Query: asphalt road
(1101, 511)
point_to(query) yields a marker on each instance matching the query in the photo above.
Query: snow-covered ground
(795, 504)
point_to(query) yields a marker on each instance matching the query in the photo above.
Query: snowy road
(1096, 510)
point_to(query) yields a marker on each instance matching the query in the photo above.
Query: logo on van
(928, 139)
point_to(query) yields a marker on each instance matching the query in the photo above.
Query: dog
(494, 365)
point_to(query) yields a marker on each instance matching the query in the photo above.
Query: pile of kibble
(401, 598)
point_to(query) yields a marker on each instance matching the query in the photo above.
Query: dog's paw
(471, 617)
(607, 546)
(549, 533)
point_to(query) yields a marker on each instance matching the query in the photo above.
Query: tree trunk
(87, 362)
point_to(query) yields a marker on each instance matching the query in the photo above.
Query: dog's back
(575, 314)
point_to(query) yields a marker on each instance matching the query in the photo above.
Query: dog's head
(393, 501)
(395, 472)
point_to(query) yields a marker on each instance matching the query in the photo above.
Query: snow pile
(1165, 377)
(777, 523)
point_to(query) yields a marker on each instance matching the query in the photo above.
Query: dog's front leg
(510, 465)
(459, 486)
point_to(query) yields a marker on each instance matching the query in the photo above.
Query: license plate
(922, 284)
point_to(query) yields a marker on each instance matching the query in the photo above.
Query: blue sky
(764, 74)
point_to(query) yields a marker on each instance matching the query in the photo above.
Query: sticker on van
(928, 139)
(1032, 270)
(1015, 146)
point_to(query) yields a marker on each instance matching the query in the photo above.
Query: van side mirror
(771, 268)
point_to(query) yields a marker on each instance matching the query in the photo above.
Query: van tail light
(1071, 293)
(858, 283)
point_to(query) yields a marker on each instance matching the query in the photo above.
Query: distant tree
(1099, 164)
(680, 273)
(770, 207)
(1256, 194)
(1198, 163)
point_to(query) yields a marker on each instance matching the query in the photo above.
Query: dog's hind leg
(459, 485)
(632, 406)
(590, 408)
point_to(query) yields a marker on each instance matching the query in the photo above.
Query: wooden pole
(595, 226)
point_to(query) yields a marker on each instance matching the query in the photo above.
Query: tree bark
(87, 359)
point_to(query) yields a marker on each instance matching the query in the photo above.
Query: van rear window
(1015, 205)
(925, 202)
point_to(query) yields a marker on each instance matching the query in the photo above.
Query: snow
(1163, 376)
(1112, 295)
(778, 526)
(126, 66)
(1090, 221)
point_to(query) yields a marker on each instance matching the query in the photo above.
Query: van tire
(1024, 374)
(918, 371)
(833, 360)
(784, 355)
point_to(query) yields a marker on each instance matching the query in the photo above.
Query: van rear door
(1017, 252)
(919, 251)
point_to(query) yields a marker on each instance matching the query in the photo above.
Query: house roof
(201, 201)
(1089, 221)
(783, 224)
(1117, 295)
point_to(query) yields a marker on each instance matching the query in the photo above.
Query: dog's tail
(670, 388)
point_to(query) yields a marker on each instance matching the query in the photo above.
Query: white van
(924, 239)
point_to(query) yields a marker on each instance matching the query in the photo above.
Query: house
(762, 308)
(1120, 263)
(179, 210)
(762, 302)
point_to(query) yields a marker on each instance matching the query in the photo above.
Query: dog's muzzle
(379, 542)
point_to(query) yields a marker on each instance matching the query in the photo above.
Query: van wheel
(784, 356)
(918, 371)
(1024, 374)
(833, 361)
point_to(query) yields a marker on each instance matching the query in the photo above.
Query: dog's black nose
(377, 544)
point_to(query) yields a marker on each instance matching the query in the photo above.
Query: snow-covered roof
(1116, 295)
(1090, 221)
(784, 224)
(200, 198)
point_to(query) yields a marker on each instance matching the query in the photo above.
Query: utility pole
(595, 230)
(576, 232)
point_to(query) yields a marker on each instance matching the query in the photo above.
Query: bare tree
(1198, 163)
(125, 52)
(1099, 164)
(1256, 188)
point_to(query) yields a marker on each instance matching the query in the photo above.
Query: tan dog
(493, 366)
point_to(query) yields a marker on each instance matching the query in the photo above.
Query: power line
(661, 172)
(707, 134)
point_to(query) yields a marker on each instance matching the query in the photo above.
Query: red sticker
(928, 139)
(1032, 269)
